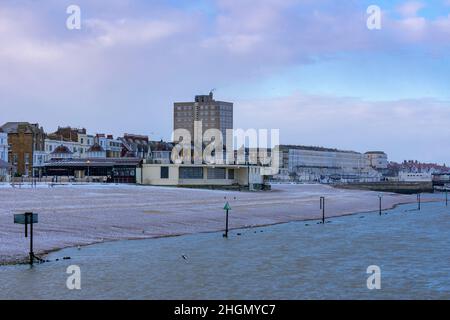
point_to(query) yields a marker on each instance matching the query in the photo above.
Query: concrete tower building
(212, 113)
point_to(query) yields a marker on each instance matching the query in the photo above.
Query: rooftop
(96, 148)
(61, 149)
(314, 148)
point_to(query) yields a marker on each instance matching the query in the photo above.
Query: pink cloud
(410, 8)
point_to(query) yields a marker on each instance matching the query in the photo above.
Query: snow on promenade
(79, 215)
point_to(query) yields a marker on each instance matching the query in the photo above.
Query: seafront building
(73, 146)
(214, 114)
(414, 176)
(5, 167)
(327, 165)
(112, 147)
(74, 154)
(3, 146)
(26, 143)
(203, 175)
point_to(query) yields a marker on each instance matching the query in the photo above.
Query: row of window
(207, 107)
(197, 173)
(15, 158)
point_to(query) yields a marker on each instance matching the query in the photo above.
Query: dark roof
(375, 152)
(13, 127)
(160, 146)
(61, 149)
(96, 148)
(93, 162)
(313, 148)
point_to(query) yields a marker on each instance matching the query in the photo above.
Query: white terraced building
(4, 166)
(317, 164)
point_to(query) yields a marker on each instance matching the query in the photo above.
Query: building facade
(73, 146)
(326, 165)
(112, 147)
(5, 168)
(77, 140)
(213, 114)
(201, 175)
(134, 145)
(3, 146)
(96, 169)
(25, 139)
(414, 176)
(377, 159)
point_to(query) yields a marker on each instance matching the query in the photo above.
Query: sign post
(226, 208)
(25, 219)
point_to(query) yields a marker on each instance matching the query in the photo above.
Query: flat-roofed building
(214, 114)
(191, 175)
(318, 164)
(377, 159)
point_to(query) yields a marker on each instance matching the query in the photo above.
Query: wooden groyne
(390, 186)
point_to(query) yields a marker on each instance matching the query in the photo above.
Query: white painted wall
(4, 146)
(414, 177)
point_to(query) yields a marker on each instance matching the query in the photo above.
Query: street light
(89, 164)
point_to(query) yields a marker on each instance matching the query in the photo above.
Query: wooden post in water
(418, 201)
(446, 197)
(379, 198)
(322, 206)
(29, 214)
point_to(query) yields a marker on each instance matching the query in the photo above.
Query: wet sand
(82, 215)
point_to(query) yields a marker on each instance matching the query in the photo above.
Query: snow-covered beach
(71, 215)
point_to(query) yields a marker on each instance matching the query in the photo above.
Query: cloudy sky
(310, 68)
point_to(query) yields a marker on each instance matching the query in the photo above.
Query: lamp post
(88, 166)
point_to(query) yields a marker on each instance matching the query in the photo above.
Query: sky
(310, 68)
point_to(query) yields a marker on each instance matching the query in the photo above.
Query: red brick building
(24, 139)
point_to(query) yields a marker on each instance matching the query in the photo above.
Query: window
(216, 173)
(191, 173)
(230, 174)
(164, 172)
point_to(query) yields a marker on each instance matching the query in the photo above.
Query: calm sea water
(298, 260)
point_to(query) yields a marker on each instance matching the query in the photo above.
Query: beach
(72, 215)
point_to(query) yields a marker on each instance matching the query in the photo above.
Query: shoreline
(44, 254)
